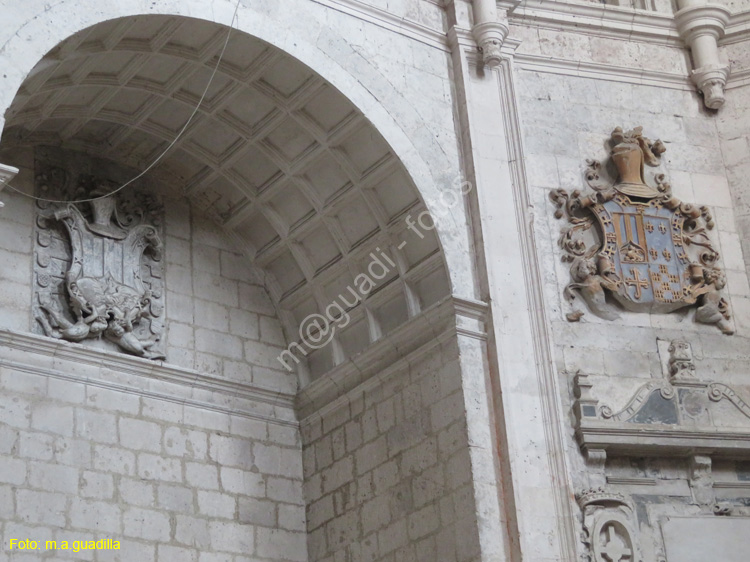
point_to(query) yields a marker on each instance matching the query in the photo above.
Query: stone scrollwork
(672, 415)
(98, 263)
(639, 244)
(608, 527)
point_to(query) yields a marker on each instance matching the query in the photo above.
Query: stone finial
(701, 24)
(490, 37)
(681, 365)
(490, 30)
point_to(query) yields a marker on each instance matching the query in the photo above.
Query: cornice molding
(62, 360)
(450, 318)
(737, 30)
(471, 318)
(644, 440)
(598, 19)
(615, 22)
(738, 79)
(585, 69)
(592, 19)
(387, 20)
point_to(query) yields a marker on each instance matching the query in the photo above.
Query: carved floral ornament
(639, 244)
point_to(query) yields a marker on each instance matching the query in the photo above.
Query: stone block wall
(190, 470)
(735, 147)
(169, 481)
(220, 320)
(387, 468)
(16, 244)
(566, 119)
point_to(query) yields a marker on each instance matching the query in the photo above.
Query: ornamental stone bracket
(701, 24)
(677, 415)
(609, 527)
(637, 246)
(490, 30)
(7, 173)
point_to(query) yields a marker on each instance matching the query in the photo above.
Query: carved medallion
(639, 244)
(98, 262)
(608, 527)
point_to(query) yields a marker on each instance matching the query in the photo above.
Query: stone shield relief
(637, 245)
(98, 273)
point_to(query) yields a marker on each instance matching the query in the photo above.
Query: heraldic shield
(644, 244)
(639, 255)
(98, 266)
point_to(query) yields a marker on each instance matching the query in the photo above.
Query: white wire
(171, 144)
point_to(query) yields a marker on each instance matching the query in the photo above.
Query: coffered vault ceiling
(275, 155)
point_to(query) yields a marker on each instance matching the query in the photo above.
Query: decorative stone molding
(630, 241)
(702, 481)
(442, 322)
(701, 24)
(673, 416)
(7, 173)
(609, 528)
(59, 359)
(597, 19)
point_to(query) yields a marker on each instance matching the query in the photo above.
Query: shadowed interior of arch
(281, 160)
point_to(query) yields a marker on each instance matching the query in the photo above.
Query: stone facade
(388, 469)
(376, 348)
(170, 480)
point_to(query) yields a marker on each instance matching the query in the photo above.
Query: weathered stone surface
(428, 428)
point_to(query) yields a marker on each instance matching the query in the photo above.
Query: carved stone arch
(367, 87)
(397, 131)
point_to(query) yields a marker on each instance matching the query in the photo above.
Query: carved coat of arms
(645, 248)
(98, 264)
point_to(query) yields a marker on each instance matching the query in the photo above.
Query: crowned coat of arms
(639, 244)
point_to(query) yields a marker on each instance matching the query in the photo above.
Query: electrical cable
(171, 144)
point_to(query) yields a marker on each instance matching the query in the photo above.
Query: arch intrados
(372, 112)
(26, 45)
